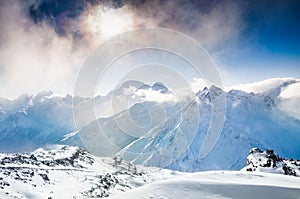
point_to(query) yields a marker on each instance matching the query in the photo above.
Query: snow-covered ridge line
(67, 172)
(65, 157)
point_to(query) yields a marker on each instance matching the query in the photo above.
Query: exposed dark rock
(268, 159)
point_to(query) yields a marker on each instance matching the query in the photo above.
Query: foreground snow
(70, 172)
(220, 184)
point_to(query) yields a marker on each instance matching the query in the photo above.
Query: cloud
(289, 100)
(198, 84)
(33, 57)
(44, 43)
(286, 91)
(154, 96)
(212, 23)
(264, 86)
(291, 91)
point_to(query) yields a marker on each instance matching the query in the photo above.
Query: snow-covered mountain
(153, 128)
(30, 122)
(252, 120)
(71, 172)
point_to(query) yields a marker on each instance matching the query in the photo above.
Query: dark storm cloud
(198, 18)
(211, 22)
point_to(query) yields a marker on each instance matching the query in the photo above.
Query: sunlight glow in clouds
(43, 43)
(48, 53)
(108, 22)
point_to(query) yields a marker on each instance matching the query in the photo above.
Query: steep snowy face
(252, 120)
(107, 136)
(268, 161)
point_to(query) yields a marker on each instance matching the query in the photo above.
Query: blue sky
(268, 45)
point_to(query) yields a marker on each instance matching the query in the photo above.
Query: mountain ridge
(252, 120)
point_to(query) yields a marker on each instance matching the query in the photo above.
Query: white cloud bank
(33, 58)
(262, 86)
(288, 98)
(154, 96)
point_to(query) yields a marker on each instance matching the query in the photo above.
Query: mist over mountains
(149, 128)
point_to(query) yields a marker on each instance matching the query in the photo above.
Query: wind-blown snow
(290, 100)
(263, 86)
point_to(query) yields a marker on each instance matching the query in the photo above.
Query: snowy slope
(154, 130)
(252, 120)
(30, 122)
(221, 185)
